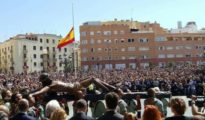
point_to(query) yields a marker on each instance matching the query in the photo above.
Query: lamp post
(45, 60)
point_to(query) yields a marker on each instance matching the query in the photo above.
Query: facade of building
(131, 44)
(34, 52)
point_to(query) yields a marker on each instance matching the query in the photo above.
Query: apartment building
(130, 44)
(26, 53)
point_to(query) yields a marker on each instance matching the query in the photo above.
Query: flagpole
(74, 53)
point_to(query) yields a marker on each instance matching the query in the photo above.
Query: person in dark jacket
(81, 108)
(23, 106)
(111, 100)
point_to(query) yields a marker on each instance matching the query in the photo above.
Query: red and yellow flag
(69, 38)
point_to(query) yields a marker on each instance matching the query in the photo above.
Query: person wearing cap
(152, 100)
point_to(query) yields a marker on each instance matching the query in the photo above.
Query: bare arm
(40, 92)
(193, 106)
(194, 110)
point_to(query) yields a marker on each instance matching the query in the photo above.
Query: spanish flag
(69, 38)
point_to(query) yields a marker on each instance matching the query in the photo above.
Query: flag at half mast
(69, 38)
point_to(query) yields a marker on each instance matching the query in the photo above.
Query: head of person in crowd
(3, 116)
(151, 112)
(4, 111)
(6, 95)
(59, 114)
(23, 105)
(45, 80)
(156, 89)
(111, 100)
(79, 94)
(51, 106)
(81, 105)
(151, 92)
(178, 106)
(130, 116)
(16, 97)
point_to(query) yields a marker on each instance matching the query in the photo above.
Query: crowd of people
(24, 95)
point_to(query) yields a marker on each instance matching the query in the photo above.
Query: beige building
(34, 52)
(130, 44)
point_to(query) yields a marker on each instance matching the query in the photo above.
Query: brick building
(130, 44)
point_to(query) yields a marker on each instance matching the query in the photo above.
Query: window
(84, 50)
(91, 33)
(132, 57)
(84, 42)
(98, 41)
(99, 49)
(170, 55)
(34, 55)
(179, 47)
(188, 47)
(84, 58)
(122, 41)
(34, 47)
(122, 49)
(53, 41)
(123, 57)
(47, 40)
(92, 41)
(24, 56)
(188, 55)
(122, 32)
(41, 40)
(179, 55)
(131, 49)
(59, 57)
(160, 39)
(130, 40)
(143, 48)
(115, 32)
(41, 48)
(161, 48)
(34, 64)
(143, 56)
(107, 41)
(41, 64)
(143, 40)
(161, 56)
(92, 49)
(54, 49)
(83, 33)
(98, 33)
(24, 47)
(169, 48)
(41, 56)
(47, 48)
(107, 32)
(65, 49)
(116, 40)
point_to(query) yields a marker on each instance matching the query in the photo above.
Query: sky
(55, 16)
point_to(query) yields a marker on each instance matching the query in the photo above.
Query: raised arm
(40, 92)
